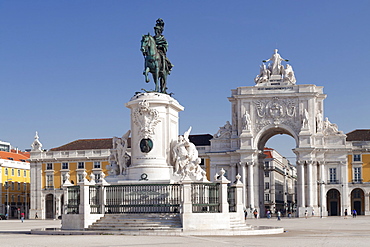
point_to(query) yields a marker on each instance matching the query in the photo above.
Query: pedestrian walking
(345, 213)
(268, 214)
(278, 215)
(255, 213)
(354, 213)
(22, 217)
(36, 216)
(306, 214)
(245, 213)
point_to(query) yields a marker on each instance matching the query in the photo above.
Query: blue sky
(68, 67)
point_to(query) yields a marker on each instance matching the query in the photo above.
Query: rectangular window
(97, 165)
(357, 174)
(357, 157)
(97, 178)
(267, 174)
(6, 184)
(49, 166)
(80, 177)
(12, 172)
(12, 185)
(267, 164)
(81, 165)
(267, 186)
(24, 173)
(65, 166)
(19, 186)
(25, 187)
(6, 171)
(50, 181)
(19, 173)
(267, 197)
(333, 175)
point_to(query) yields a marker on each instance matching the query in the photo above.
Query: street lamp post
(7, 196)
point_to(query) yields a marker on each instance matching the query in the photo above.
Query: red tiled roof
(268, 153)
(359, 135)
(86, 144)
(106, 143)
(21, 152)
(13, 156)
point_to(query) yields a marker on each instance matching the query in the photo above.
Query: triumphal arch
(277, 104)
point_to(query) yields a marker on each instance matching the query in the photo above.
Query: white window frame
(357, 174)
(97, 165)
(65, 163)
(49, 180)
(78, 165)
(333, 174)
(355, 156)
(49, 166)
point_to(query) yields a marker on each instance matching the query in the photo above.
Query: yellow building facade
(15, 184)
(359, 171)
(87, 158)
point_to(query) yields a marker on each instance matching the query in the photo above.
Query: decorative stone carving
(289, 74)
(264, 75)
(276, 68)
(36, 145)
(276, 111)
(246, 121)
(330, 128)
(319, 122)
(146, 118)
(224, 132)
(305, 118)
(185, 158)
(119, 158)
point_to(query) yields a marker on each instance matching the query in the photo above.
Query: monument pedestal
(154, 126)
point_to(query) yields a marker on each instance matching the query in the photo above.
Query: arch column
(366, 199)
(250, 184)
(322, 196)
(243, 173)
(232, 175)
(301, 191)
(310, 186)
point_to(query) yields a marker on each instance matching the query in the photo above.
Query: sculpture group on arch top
(278, 110)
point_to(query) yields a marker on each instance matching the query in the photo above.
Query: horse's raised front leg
(146, 71)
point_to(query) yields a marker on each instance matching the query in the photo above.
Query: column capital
(300, 162)
(250, 163)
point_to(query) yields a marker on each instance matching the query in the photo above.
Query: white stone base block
(154, 128)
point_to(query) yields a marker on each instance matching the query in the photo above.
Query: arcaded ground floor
(331, 231)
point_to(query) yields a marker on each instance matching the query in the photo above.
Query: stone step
(124, 224)
(119, 228)
(137, 222)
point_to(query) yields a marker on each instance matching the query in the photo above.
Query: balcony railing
(357, 181)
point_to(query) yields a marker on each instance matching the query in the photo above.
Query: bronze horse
(154, 63)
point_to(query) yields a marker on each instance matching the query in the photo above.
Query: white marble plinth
(154, 126)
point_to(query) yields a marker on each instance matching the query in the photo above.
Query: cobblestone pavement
(330, 231)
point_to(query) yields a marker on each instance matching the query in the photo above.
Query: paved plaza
(331, 231)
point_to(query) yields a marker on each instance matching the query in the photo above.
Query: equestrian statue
(154, 49)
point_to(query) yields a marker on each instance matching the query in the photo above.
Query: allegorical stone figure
(185, 157)
(276, 68)
(119, 150)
